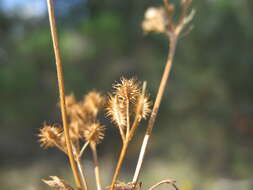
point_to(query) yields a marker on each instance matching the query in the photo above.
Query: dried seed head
(116, 111)
(144, 104)
(94, 133)
(49, 136)
(127, 89)
(93, 102)
(70, 100)
(58, 183)
(155, 20)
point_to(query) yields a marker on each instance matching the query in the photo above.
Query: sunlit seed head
(94, 133)
(127, 89)
(115, 110)
(49, 136)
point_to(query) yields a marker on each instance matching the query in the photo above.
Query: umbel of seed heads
(161, 19)
(84, 129)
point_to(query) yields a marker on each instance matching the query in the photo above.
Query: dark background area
(204, 133)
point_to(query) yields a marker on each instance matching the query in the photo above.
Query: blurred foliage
(206, 115)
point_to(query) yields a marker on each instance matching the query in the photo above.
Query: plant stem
(62, 93)
(173, 42)
(83, 149)
(95, 159)
(119, 163)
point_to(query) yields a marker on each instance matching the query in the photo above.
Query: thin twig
(80, 168)
(95, 159)
(83, 148)
(173, 43)
(119, 163)
(62, 93)
(171, 182)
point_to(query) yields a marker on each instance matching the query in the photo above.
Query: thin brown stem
(128, 118)
(168, 181)
(80, 168)
(119, 163)
(62, 93)
(83, 149)
(173, 43)
(95, 159)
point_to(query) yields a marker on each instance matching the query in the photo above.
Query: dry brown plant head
(93, 102)
(49, 136)
(145, 105)
(115, 110)
(160, 19)
(127, 89)
(94, 133)
(58, 183)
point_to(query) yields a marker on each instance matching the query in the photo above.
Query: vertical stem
(173, 43)
(119, 164)
(62, 93)
(128, 118)
(95, 159)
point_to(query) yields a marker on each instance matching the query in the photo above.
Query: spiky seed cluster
(49, 136)
(119, 185)
(125, 101)
(58, 183)
(127, 89)
(155, 20)
(145, 105)
(116, 110)
(82, 116)
(94, 133)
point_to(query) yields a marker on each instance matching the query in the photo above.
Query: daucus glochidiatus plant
(126, 106)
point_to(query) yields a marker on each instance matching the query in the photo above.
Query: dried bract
(155, 20)
(58, 183)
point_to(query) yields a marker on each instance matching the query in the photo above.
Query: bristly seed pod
(127, 89)
(144, 107)
(94, 133)
(49, 136)
(93, 102)
(116, 110)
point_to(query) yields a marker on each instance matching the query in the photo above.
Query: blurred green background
(204, 133)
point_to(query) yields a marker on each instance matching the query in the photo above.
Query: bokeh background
(204, 133)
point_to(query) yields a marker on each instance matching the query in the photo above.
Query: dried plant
(126, 106)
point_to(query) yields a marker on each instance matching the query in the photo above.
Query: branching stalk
(62, 93)
(173, 43)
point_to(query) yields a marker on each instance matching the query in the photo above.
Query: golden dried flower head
(119, 185)
(116, 111)
(70, 100)
(58, 183)
(155, 20)
(94, 133)
(145, 105)
(127, 89)
(49, 136)
(93, 102)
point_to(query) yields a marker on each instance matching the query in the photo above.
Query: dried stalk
(62, 93)
(171, 182)
(95, 159)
